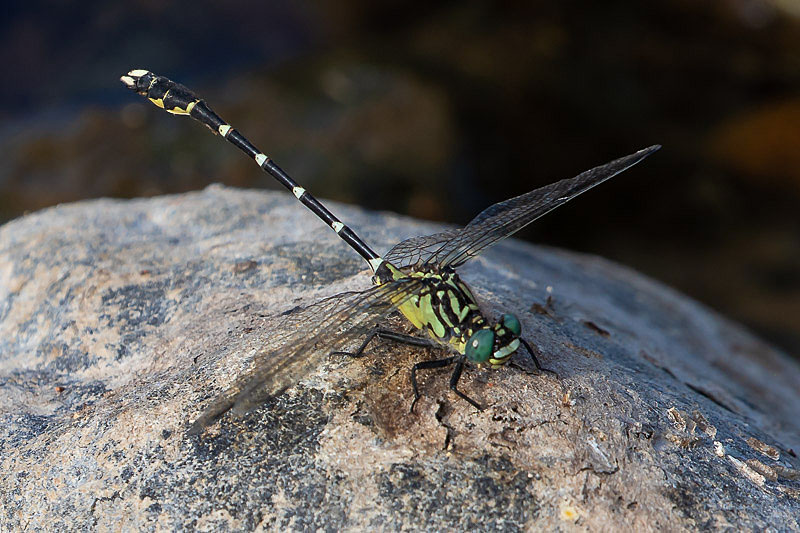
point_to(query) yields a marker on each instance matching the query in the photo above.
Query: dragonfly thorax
(447, 310)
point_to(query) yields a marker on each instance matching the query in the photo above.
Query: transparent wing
(455, 247)
(419, 250)
(309, 335)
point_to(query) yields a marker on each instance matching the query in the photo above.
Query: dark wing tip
(650, 149)
(626, 162)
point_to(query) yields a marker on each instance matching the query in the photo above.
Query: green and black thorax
(445, 307)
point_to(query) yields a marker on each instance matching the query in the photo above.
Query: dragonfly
(417, 277)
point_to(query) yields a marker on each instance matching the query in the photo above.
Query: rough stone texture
(120, 320)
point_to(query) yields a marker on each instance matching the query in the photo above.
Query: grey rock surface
(120, 321)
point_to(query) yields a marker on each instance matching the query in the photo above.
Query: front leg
(539, 367)
(454, 382)
(439, 363)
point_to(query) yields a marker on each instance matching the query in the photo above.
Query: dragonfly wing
(506, 218)
(455, 247)
(419, 249)
(308, 335)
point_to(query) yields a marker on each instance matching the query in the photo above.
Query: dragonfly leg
(539, 367)
(360, 351)
(424, 365)
(389, 335)
(454, 382)
(406, 339)
(439, 363)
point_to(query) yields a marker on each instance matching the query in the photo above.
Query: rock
(121, 320)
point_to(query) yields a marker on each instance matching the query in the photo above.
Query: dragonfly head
(494, 345)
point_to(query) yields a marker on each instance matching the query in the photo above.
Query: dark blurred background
(439, 109)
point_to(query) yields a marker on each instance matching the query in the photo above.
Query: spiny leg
(539, 367)
(392, 336)
(424, 343)
(454, 382)
(439, 363)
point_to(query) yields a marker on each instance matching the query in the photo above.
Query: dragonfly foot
(539, 367)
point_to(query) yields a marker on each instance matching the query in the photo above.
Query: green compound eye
(479, 347)
(512, 323)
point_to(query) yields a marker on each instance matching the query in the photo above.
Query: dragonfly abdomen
(176, 99)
